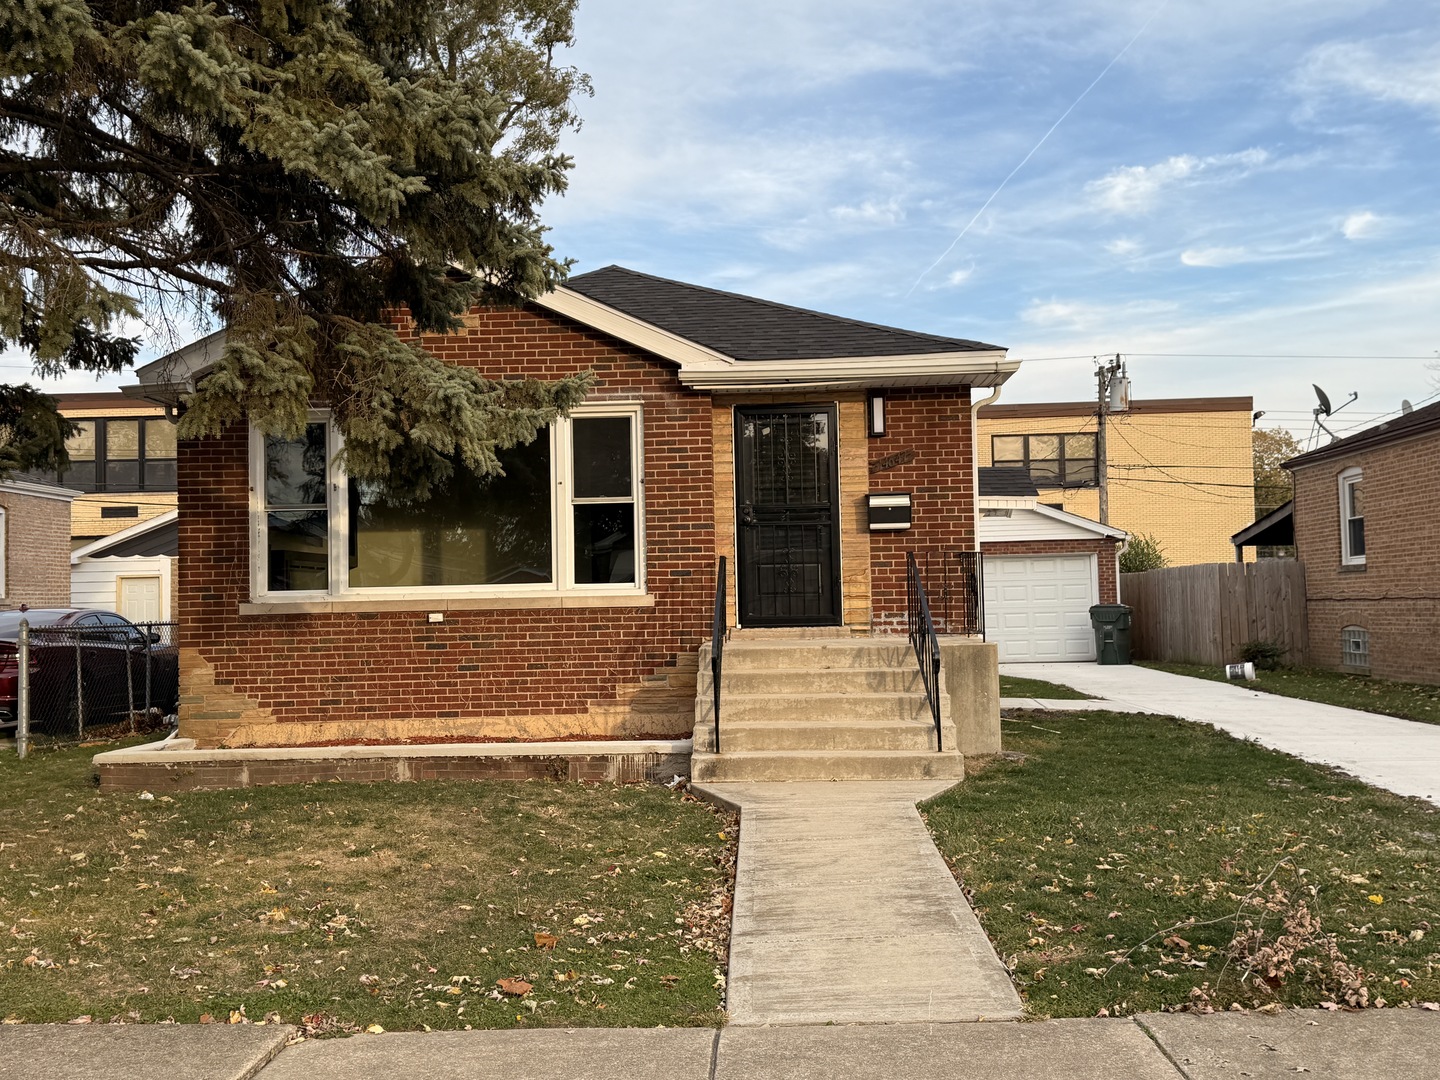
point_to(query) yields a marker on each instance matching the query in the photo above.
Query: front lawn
(1409, 701)
(1012, 686)
(340, 906)
(1133, 863)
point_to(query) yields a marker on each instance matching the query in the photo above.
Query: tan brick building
(1367, 528)
(35, 536)
(122, 460)
(1180, 469)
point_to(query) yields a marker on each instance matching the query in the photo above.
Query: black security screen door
(785, 487)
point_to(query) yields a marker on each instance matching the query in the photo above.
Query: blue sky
(1248, 178)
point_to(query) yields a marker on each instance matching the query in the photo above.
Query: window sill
(1352, 568)
(450, 603)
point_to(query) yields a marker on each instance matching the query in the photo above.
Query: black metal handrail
(955, 584)
(923, 639)
(717, 644)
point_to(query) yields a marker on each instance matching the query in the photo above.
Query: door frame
(836, 575)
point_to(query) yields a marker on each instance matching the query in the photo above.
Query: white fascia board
(927, 369)
(627, 328)
(996, 503)
(1080, 522)
(41, 491)
(120, 537)
(166, 379)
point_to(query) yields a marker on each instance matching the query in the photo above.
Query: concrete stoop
(820, 709)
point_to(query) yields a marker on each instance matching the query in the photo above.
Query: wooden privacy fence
(1204, 614)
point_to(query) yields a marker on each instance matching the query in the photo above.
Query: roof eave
(703, 368)
(149, 525)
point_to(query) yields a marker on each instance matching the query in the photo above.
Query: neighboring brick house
(1367, 528)
(122, 460)
(35, 538)
(1180, 469)
(1044, 569)
(569, 598)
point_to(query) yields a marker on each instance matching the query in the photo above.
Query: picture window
(1060, 460)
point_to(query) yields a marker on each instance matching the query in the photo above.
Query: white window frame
(1348, 479)
(562, 548)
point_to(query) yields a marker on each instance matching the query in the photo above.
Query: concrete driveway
(1402, 756)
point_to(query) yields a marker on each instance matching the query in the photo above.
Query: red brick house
(1367, 527)
(569, 597)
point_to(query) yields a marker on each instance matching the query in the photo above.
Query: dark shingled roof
(1006, 482)
(748, 328)
(162, 540)
(1402, 427)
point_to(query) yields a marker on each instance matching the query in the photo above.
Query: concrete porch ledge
(175, 764)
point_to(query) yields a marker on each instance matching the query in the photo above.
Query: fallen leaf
(375, 1029)
(206, 1018)
(546, 941)
(514, 987)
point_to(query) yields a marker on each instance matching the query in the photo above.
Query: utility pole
(1113, 391)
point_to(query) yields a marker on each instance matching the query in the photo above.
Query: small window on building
(120, 511)
(1065, 460)
(1355, 647)
(1352, 518)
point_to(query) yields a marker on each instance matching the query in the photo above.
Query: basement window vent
(120, 511)
(1355, 647)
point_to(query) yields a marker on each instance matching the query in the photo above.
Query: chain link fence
(79, 683)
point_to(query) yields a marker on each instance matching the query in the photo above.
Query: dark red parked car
(120, 666)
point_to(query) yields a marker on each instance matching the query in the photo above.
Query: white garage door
(1037, 607)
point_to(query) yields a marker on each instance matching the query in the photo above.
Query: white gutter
(975, 407)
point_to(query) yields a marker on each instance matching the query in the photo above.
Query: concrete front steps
(820, 709)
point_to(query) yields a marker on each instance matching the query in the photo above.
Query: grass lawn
(339, 906)
(1133, 863)
(1409, 701)
(1011, 686)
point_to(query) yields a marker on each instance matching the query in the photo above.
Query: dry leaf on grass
(514, 987)
(546, 941)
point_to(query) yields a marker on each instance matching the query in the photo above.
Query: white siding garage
(1037, 607)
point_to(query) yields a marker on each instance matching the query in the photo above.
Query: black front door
(787, 547)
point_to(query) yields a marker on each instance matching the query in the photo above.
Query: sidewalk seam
(1164, 1050)
(715, 1053)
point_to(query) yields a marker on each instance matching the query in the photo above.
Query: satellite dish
(1405, 407)
(1325, 409)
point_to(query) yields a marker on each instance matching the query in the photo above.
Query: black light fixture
(875, 413)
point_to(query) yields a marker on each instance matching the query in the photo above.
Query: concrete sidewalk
(846, 913)
(1402, 756)
(1389, 1045)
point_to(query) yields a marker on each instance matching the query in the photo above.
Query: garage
(1044, 569)
(1037, 607)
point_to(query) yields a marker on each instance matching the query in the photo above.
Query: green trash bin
(1112, 633)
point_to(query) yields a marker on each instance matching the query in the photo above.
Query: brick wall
(1180, 471)
(1396, 594)
(482, 673)
(935, 425)
(1103, 549)
(37, 550)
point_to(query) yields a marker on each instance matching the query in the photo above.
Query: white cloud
(1135, 189)
(1074, 316)
(1123, 246)
(1396, 69)
(959, 277)
(1214, 256)
(1361, 226)
(870, 212)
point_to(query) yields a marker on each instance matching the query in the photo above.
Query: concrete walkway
(1389, 1045)
(1402, 756)
(845, 912)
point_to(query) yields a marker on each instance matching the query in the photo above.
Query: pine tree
(305, 170)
